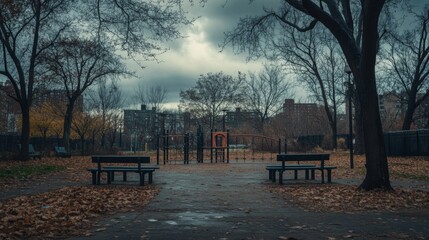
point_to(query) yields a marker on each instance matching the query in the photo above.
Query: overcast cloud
(199, 52)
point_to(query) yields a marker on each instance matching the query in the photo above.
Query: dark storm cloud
(198, 52)
(223, 16)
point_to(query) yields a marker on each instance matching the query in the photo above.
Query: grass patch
(23, 172)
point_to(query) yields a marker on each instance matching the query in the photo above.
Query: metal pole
(227, 146)
(350, 123)
(285, 145)
(120, 137)
(157, 149)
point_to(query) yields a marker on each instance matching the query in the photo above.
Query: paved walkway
(234, 204)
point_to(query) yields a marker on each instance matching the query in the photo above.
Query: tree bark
(25, 132)
(411, 106)
(362, 63)
(359, 147)
(377, 171)
(67, 125)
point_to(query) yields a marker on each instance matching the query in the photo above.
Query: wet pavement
(234, 203)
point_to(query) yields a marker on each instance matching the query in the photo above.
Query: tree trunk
(408, 119)
(113, 139)
(25, 132)
(334, 123)
(377, 171)
(67, 125)
(103, 140)
(411, 106)
(334, 135)
(359, 147)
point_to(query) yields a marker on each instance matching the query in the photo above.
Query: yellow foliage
(44, 120)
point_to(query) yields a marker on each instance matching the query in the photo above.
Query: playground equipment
(218, 146)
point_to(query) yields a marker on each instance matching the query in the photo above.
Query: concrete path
(233, 203)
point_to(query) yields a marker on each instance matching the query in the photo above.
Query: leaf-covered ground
(345, 198)
(67, 211)
(70, 210)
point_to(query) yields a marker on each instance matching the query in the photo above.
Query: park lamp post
(348, 94)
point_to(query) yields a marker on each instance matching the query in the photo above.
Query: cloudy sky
(199, 52)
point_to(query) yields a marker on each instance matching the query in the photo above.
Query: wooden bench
(309, 169)
(110, 170)
(61, 152)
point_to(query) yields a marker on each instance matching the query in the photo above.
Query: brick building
(240, 119)
(141, 126)
(303, 119)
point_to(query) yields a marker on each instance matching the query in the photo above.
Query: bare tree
(26, 31)
(407, 58)
(315, 56)
(153, 96)
(28, 28)
(107, 103)
(213, 93)
(266, 91)
(358, 37)
(77, 65)
(82, 124)
(137, 27)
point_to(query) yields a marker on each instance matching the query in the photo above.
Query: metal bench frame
(110, 170)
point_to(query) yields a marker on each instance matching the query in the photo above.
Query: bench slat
(303, 157)
(120, 159)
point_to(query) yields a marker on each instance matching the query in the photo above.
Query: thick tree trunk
(25, 132)
(67, 125)
(334, 135)
(332, 119)
(411, 106)
(359, 147)
(377, 171)
(408, 119)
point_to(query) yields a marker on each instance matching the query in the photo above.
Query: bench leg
(94, 177)
(141, 178)
(329, 175)
(280, 177)
(272, 175)
(307, 174)
(323, 175)
(124, 176)
(296, 174)
(110, 177)
(150, 177)
(313, 174)
(98, 177)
